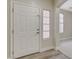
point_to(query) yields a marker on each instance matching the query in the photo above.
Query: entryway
(32, 27)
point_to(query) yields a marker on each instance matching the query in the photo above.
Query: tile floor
(52, 54)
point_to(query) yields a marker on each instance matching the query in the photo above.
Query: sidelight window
(46, 24)
(61, 23)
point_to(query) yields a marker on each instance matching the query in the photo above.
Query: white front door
(26, 30)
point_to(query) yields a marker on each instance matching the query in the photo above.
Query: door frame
(12, 29)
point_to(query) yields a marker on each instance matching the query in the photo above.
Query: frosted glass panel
(45, 27)
(45, 13)
(61, 18)
(61, 15)
(61, 28)
(61, 23)
(45, 20)
(45, 34)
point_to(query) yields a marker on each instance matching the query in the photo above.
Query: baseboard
(68, 38)
(45, 49)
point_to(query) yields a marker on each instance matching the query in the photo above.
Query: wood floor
(52, 54)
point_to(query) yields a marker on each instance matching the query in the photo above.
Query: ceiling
(67, 5)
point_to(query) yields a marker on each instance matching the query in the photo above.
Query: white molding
(61, 39)
(45, 49)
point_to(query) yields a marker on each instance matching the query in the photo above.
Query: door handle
(38, 31)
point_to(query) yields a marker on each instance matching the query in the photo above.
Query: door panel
(26, 24)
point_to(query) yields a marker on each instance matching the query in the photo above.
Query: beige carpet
(52, 54)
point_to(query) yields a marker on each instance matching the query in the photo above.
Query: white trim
(45, 49)
(61, 39)
(40, 45)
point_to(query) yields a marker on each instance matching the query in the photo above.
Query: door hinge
(12, 52)
(12, 9)
(12, 31)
